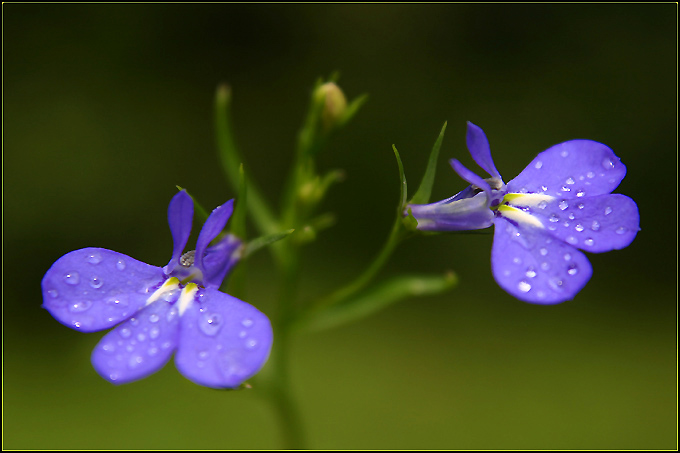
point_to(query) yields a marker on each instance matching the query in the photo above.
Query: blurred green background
(107, 107)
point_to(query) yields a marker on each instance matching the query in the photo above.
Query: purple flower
(559, 203)
(219, 341)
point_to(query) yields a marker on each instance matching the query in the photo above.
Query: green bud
(335, 104)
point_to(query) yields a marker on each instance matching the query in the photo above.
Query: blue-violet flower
(559, 203)
(219, 341)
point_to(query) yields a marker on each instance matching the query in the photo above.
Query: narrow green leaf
(352, 109)
(263, 241)
(231, 161)
(422, 195)
(238, 218)
(381, 296)
(402, 178)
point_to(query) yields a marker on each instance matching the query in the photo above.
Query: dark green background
(107, 107)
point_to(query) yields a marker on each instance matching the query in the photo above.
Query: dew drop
(566, 224)
(563, 205)
(621, 230)
(141, 337)
(524, 286)
(118, 301)
(566, 189)
(247, 322)
(154, 332)
(570, 181)
(564, 153)
(94, 258)
(517, 260)
(572, 269)
(135, 361)
(81, 306)
(53, 293)
(571, 216)
(152, 351)
(153, 317)
(543, 251)
(172, 314)
(544, 188)
(567, 256)
(166, 345)
(545, 265)
(243, 333)
(125, 332)
(556, 284)
(590, 175)
(554, 218)
(580, 206)
(579, 227)
(203, 355)
(134, 321)
(77, 324)
(96, 282)
(108, 347)
(210, 324)
(595, 226)
(552, 227)
(250, 344)
(542, 204)
(572, 240)
(608, 210)
(589, 241)
(72, 278)
(539, 164)
(531, 273)
(580, 193)
(120, 265)
(607, 163)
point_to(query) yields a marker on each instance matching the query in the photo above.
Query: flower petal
(93, 288)
(594, 224)
(220, 259)
(211, 228)
(446, 215)
(140, 346)
(572, 169)
(535, 267)
(478, 145)
(180, 218)
(469, 175)
(223, 341)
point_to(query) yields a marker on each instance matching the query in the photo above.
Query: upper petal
(223, 341)
(478, 145)
(447, 215)
(140, 346)
(93, 288)
(572, 169)
(180, 218)
(535, 267)
(594, 224)
(220, 259)
(211, 228)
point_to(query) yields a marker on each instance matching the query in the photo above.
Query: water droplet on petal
(564, 153)
(563, 205)
(247, 322)
(134, 321)
(571, 216)
(172, 314)
(580, 193)
(210, 324)
(542, 204)
(567, 256)
(524, 286)
(621, 230)
(590, 175)
(96, 282)
(595, 226)
(125, 332)
(243, 333)
(120, 265)
(556, 284)
(579, 227)
(81, 306)
(72, 278)
(135, 361)
(570, 181)
(154, 332)
(203, 355)
(141, 337)
(153, 317)
(607, 210)
(94, 258)
(566, 189)
(250, 344)
(589, 241)
(572, 240)
(543, 251)
(554, 218)
(109, 347)
(53, 293)
(531, 273)
(572, 269)
(152, 351)
(517, 260)
(607, 163)
(539, 164)
(580, 206)
(545, 265)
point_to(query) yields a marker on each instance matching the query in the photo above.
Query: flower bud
(334, 106)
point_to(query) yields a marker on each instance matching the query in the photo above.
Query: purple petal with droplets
(223, 340)
(140, 346)
(573, 169)
(211, 228)
(93, 289)
(180, 218)
(464, 214)
(478, 145)
(535, 267)
(220, 259)
(594, 224)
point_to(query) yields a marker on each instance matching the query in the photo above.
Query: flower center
(510, 206)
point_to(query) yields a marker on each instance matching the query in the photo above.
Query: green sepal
(351, 110)
(422, 195)
(263, 241)
(379, 297)
(410, 222)
(200, 212)
(402, 178)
